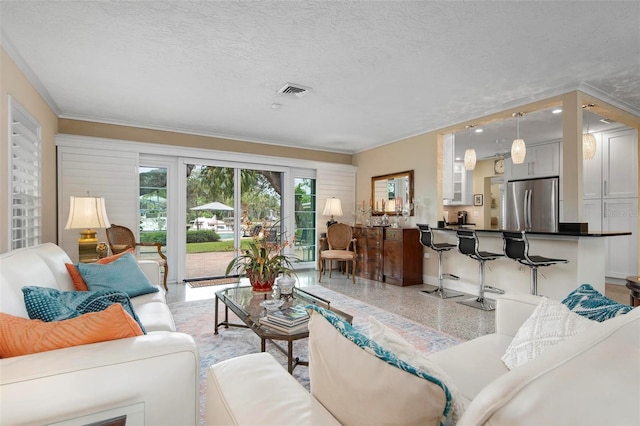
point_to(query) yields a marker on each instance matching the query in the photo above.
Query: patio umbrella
(216, 205)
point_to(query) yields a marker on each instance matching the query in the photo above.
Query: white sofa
(590, 379)
(151, 378)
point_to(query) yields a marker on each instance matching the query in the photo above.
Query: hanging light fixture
(588, 140)
(470, 159)
(470, 154)
(518, 148)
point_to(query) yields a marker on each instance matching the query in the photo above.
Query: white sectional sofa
(153, 378)
(592, 378)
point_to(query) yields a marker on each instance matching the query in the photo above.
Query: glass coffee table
(247, 306)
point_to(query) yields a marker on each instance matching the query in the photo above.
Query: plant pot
(260, 283)
(286, 284)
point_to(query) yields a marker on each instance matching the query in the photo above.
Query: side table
(633, 284)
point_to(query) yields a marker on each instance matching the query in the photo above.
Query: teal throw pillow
(348, 331)
(590, 303)
(50, 304)
(122, 274)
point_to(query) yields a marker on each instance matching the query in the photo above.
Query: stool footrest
(443, 293)
(478, 303)
(493, 289)
(428, 288)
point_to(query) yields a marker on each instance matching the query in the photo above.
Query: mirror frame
(408, 174)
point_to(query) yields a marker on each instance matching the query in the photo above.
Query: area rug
(210, 282)
(197, 319)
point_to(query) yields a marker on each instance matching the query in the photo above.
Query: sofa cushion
(590, 303)
(48, 304)
(78, 282)
(474, 363)
(20, 336)
(591, 379)
(255, 389)
(123, 274)
(551, 323)
(390, 340)
(347, 370)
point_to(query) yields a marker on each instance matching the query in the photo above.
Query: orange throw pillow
(22, 336)
(78, 282)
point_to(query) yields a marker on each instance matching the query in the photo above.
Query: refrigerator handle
(527, 211)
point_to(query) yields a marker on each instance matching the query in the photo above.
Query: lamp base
(87, 246)
(331, 222)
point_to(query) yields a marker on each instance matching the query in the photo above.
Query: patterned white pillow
(390, 340)
(549, 324)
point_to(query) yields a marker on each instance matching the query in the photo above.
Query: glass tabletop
(246, 304)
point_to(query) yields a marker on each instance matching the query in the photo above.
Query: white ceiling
(379, 71)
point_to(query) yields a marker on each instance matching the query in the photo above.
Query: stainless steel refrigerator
(533, 204)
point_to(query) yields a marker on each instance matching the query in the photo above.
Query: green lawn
(218, 246)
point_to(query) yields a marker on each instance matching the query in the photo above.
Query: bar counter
(585, 251)
(547, 233)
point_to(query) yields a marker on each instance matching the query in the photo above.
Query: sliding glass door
(226, 206)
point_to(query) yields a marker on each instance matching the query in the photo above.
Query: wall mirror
(392, 193)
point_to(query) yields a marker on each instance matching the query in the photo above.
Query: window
(25, 157)
(305, 215)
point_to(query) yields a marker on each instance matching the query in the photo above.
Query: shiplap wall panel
(340, 184)
(101, 173)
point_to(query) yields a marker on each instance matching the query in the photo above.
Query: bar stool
(426, 239)
(516, 247)
(468, 245)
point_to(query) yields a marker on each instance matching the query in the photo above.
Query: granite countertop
(452, 227)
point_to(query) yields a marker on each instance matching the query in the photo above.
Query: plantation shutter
(25, 156)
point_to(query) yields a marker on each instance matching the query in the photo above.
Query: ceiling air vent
(294, 89)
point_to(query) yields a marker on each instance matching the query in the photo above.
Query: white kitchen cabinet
(613, 172)
(610, 192)
(620, 164)
(540, 161)
(620, 215)
(592, 173)
(592, 214)
(462, 185)
(457, 182)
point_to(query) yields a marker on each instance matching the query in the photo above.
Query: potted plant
(264, 259)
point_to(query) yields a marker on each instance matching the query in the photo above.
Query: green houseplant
(264, 259)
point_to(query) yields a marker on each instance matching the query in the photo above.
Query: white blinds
(26, 162)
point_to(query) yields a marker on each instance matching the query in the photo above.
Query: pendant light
(588, 140)
(470, 159)
(518, 148)
(470, 154)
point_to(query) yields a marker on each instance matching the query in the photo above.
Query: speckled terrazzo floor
(443, 315)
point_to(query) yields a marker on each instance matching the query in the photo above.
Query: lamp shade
(588, 146)
(518, 151)
(87, 212)
(333, 207)
(470, 159)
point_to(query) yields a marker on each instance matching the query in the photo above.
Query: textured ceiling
(379, 71)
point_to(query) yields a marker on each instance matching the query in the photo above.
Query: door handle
(605, 187)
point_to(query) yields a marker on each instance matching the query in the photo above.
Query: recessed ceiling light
(478, 130)
(458, 159)
(557, 111)
(276, 105)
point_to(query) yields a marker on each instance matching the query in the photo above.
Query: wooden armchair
(341, 247)
(121, 238)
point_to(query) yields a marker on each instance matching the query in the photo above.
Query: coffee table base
(291, 361)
